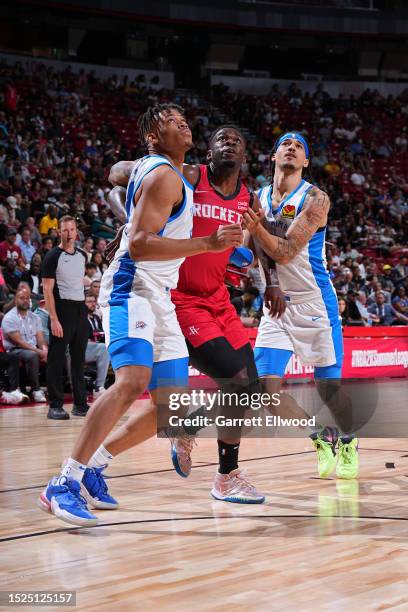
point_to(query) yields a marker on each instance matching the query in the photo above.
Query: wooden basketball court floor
(314, 545)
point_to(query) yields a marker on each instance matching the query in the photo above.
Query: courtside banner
(367, 357)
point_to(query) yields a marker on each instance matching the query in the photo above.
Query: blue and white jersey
(121, 279)
(307, 274)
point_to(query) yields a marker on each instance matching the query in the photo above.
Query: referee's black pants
(73, 317)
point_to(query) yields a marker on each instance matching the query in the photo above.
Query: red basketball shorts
(204, 318)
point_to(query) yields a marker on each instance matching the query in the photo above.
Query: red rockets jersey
(204, 274)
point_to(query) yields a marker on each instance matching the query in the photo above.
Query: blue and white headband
(294, 136)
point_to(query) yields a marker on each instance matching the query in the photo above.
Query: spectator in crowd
(96, 350)
(9, 249)
(35, 236)
(384, 312)
(400, 301)
(94, 290)
(25, 245)
(377, 287)
(401, 268)
(361, 303)
(100, 246)
(343, 310)
(386, 278)
(98, 260)
(49, 221)
(349, 251)
(33, 276)
(47, 245)
(88, 247)
(90, 274)
(3, 226)
(354, 316)
(23, 336)
(11, 276)
(243, 306)
(102, 226)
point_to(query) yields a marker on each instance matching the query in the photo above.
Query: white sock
(100, 458)
(74, 469)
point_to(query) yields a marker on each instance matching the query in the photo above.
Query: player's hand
(56, 328)
(275, 301)
(252, 221)
(113, 246)
(225, 237)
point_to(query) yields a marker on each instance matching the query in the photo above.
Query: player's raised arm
(160, 193)
(312, 218)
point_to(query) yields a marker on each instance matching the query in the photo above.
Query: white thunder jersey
(310, 325)
(306, 276)
(122, 279)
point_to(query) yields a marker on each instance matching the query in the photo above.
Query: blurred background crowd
(61, 132)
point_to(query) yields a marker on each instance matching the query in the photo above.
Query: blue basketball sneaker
(62, 498)
(95, 490)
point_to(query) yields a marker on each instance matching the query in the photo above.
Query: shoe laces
(73, 487)
(345, 453)
(186, 442)
(98, 483)
(240, 482)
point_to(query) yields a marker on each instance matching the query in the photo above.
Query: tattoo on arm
(312, 217)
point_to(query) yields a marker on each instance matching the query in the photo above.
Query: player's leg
(274, 348)
(316, 334)
(235, 372)
(139, 427)
(132, 359)
(169, 374)
(144, 424)
(329, 385)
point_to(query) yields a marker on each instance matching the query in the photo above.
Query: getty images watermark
(219, 401)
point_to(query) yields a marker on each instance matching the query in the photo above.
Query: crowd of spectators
(61, 132)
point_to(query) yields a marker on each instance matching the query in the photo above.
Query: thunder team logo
(288, 211)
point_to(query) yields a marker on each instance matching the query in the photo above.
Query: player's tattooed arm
(312, 217)
(120, 172)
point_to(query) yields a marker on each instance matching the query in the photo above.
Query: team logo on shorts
(140, 325)
(288, 211)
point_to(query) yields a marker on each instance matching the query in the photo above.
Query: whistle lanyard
(27, 331)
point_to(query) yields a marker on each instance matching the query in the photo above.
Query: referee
(63, 273)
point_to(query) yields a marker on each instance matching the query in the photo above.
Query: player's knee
(130, 385)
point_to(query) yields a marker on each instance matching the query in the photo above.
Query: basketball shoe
(347, 465)
(62, 497)
(235, 488)
(325, 444)
(95, 490)
(181, 448)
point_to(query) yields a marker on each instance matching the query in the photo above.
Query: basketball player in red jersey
(217, 341)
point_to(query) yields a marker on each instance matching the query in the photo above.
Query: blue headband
(293, 136)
